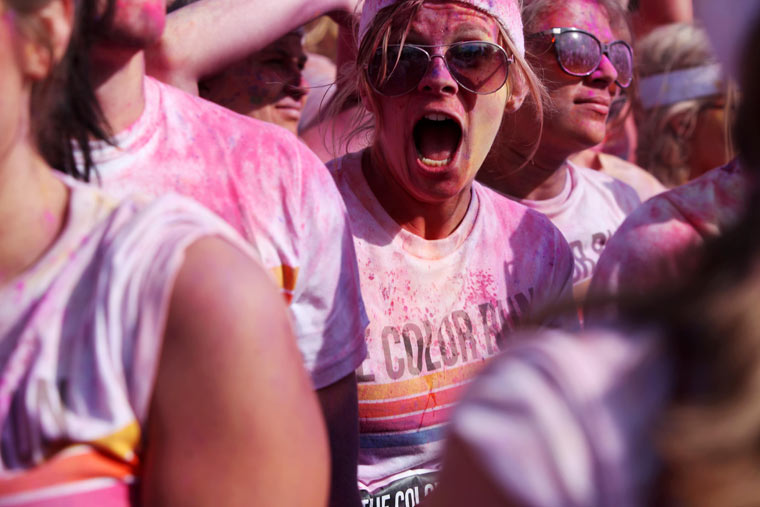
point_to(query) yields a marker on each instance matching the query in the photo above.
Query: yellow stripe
(420, 384)
(122, 443)
(286, 277)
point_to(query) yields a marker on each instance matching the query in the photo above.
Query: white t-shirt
(273, 191)
(80, 338)
(438, 309)
(644, 183)
(656, 245)
(590, 208)
(562, 420)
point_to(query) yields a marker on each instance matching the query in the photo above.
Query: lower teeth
(434, 163)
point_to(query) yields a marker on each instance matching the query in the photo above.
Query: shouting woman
(447, 267)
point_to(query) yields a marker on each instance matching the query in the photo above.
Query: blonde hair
(397, 18)
(662, 149)
(321, 37)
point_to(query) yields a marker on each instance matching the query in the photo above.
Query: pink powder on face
(572, 124)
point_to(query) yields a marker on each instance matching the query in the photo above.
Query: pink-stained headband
(506, 12)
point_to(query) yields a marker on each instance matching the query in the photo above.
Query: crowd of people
(379, 253)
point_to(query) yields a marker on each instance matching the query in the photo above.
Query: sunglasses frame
(509, 60)
(604, 50)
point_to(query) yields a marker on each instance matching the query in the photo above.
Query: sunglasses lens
(396, 74)
(578, 52)
(622, 59)
(480, 67)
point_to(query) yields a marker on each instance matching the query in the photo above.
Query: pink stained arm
(233, 420)
(205, 37)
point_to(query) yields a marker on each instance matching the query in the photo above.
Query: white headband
(506, 12)
(687, 84)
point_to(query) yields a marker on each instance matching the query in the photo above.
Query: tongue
(437, 140)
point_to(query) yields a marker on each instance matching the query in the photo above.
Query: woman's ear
(516, 92)
(682, 125)
(47, 45)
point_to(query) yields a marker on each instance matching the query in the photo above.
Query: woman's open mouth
(437, 138)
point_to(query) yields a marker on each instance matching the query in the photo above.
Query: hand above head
(203, 38)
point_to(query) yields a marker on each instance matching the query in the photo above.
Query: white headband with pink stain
(506, 12)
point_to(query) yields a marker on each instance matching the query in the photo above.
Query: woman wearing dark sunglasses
(447, 267)
(577, 49)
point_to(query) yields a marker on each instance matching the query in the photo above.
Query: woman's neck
(512, 173)
(33, 206)
(118, 83)
(428, 220)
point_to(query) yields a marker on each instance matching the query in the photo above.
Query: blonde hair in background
(322, 37)
(662, 149)
(395, 19)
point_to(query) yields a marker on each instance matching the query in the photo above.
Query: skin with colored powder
(575, 121)
(532, 164)
(207, 36)
(267, 85)
(421, 173)
(127, 355)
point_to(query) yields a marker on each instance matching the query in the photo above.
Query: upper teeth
(436, 117)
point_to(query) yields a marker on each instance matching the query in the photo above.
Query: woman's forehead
(452, 18)
(587, 15)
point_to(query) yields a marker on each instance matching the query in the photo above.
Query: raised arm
(208, 35)
(233, 419)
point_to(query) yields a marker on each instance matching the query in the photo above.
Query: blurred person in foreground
(115, 388)
(659, 409)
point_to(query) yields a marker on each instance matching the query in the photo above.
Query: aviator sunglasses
(477, 66)
(579, 53)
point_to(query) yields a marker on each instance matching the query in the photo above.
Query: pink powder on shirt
(659, 243)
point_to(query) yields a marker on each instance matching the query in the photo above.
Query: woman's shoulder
(139, 221)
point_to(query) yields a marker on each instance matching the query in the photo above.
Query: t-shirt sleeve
(329, 312)
(646, 252)
(143, 259)
(525, 436)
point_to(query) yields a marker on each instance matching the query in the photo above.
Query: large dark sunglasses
(579, 53)
(478, 66)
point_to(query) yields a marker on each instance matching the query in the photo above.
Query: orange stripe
(399, 408)
(409, 423)
(286, 277)
(419, 385)
(67, 469)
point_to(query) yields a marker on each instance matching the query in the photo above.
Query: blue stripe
(384, 440)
